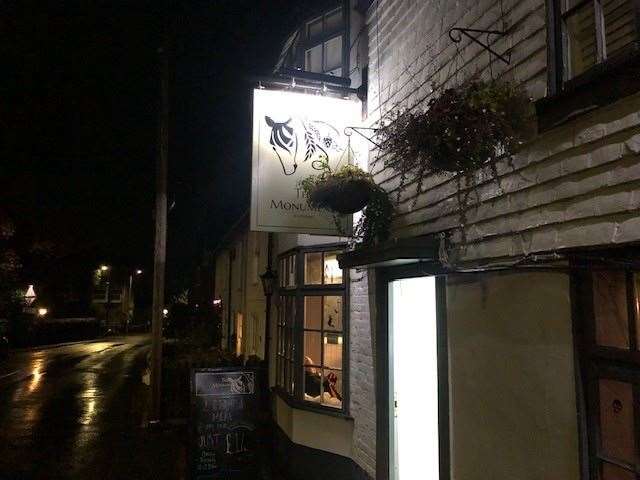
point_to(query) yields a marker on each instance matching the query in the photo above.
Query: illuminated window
(592, 31)
(312, 330)
(609, 305)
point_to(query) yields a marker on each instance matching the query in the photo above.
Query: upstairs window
(324, 44)
(593, 31)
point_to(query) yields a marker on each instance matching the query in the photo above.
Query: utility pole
(161, 229)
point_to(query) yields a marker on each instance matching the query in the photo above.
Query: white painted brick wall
(361, 365)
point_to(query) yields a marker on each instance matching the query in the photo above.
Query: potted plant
(345, 191)
(348, 190)
(461, 130)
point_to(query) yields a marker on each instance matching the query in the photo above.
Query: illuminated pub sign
(293, 133)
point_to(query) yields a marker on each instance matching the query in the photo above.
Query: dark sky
(78, 121)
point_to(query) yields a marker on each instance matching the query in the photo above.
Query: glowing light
(29, 296)
(138, 272)
(340, 340)
(325, 340)
(104, 268)
(165, 312)
(217, 301)
(42, 311)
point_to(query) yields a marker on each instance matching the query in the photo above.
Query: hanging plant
(348, 190)
(463, 129)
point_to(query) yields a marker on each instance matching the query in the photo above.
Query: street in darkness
(80, 411)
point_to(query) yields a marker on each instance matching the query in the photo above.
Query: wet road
(80, 411)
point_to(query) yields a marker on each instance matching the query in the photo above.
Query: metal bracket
(468, 33)
(348, 131)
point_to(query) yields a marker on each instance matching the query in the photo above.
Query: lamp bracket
(348, 131)
(473, 34)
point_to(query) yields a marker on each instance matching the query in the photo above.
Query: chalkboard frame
(249, 422)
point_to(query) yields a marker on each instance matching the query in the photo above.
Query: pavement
(80, 411)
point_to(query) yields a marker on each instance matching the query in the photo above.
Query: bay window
(312, 328)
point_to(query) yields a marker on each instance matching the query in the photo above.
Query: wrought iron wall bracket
(469, 32)
(348, 131)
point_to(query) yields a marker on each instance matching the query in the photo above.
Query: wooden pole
(160, 234)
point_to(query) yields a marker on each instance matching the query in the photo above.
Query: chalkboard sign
(225, 413)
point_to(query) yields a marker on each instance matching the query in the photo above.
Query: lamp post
(268, 279)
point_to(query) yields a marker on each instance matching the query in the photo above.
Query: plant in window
(347, 190)
(463, 129)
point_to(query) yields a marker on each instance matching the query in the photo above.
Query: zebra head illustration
(284, 143)
(320, 141)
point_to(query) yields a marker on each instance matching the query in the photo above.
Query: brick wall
(362, 388)
(575, 185)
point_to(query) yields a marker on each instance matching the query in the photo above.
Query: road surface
(80, 412)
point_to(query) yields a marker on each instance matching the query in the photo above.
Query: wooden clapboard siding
(575, 185)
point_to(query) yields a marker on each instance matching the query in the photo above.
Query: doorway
(418, 421)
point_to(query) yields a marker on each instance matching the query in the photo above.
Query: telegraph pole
(161, 228)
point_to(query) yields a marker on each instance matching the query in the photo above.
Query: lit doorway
(415, 341)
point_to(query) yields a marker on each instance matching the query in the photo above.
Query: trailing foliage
(375, 221)
(461, 130)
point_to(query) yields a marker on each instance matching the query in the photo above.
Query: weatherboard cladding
(575, 185)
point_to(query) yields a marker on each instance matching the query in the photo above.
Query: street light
(104, 268)
(42, 311)
(268, 279)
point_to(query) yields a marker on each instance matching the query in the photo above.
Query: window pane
(283, 272)
(617, 420)
(292, 379)
(333, 21)
(581, 40)
(312, 353)
(332, 387)
(336, 73)
(333, 53)
(292, 271)
(613, 472)
(333, 313)
(312, 384)
(610, 309)
(313, 268)
(333, 350)
(332, 271)
(619, 25)
(312, 312)
(313, 59)
(314, 29)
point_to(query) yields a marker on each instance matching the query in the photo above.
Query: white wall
(513, 408)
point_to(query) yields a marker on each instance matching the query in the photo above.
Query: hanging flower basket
(461, 130)
(341, 195)
(348, 190)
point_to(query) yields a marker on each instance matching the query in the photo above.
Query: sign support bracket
(348, 131)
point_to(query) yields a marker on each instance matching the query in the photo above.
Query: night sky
(79, 101)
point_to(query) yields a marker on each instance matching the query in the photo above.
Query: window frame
(320, 40)
(557, 46)
(594, 362)
(299, 292)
